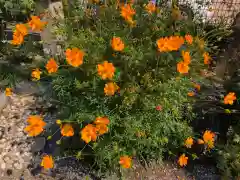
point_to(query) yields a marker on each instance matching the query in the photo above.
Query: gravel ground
(15, 146)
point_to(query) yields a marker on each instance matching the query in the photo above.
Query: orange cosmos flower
(35, 126)
(89, 133)
(191, 94)
(117, 44)
(197, 86)
(189, 142)
(162, 44)
(182, 68)
(207, 58)
(182, 161)
(47, 162)
(8, 91)
(208, 138)
(101, 129)
(125, 162)
(110, 88)
(74, 57)
(186, 57)
(67, 130)
(18, 38)
(230, 98)
(106, 70)
(167, 44)
(102, 120)
(127, 12)
(36, 74)
(51, 66)
(21, 28)
(189, 39)
(175, 42)
(200, 141)
(36, 24)
(101, 125)
(150, 7)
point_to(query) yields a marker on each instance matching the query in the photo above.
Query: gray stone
(39, 144)
(26, 87)
(3, 101)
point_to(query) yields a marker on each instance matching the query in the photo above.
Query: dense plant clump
(11, 8)
(125, 85)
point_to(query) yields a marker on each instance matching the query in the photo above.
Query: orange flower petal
(47, 162)
(89, 133)
(189, 142)
(182, 68)
(117, 44)
(51, 66)
(74, 57)
(8, 91)
(183, 160)
(67, 130)
(125, 162)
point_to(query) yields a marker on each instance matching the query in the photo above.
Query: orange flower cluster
(47, 162)
(117, 44)
(150, 7)
(127, 12)
(208, 139)
(36, 73)
(36, 24)
(230, 98)
(110, 88)
(36, 125)
(74, 57)
(183, 66)
(51, 66)
(8, 91)
(19, 34)
(106, 70)
(125, 162)
(172, 43)
(21, 29)
(90, 131)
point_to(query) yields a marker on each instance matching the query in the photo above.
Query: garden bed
(125, 93)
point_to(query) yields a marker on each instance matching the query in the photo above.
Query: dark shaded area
(209, 107)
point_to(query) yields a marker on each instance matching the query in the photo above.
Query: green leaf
(194, 156)
(236, 139)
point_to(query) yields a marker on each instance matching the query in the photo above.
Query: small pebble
(9, 172)
(3, 165)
